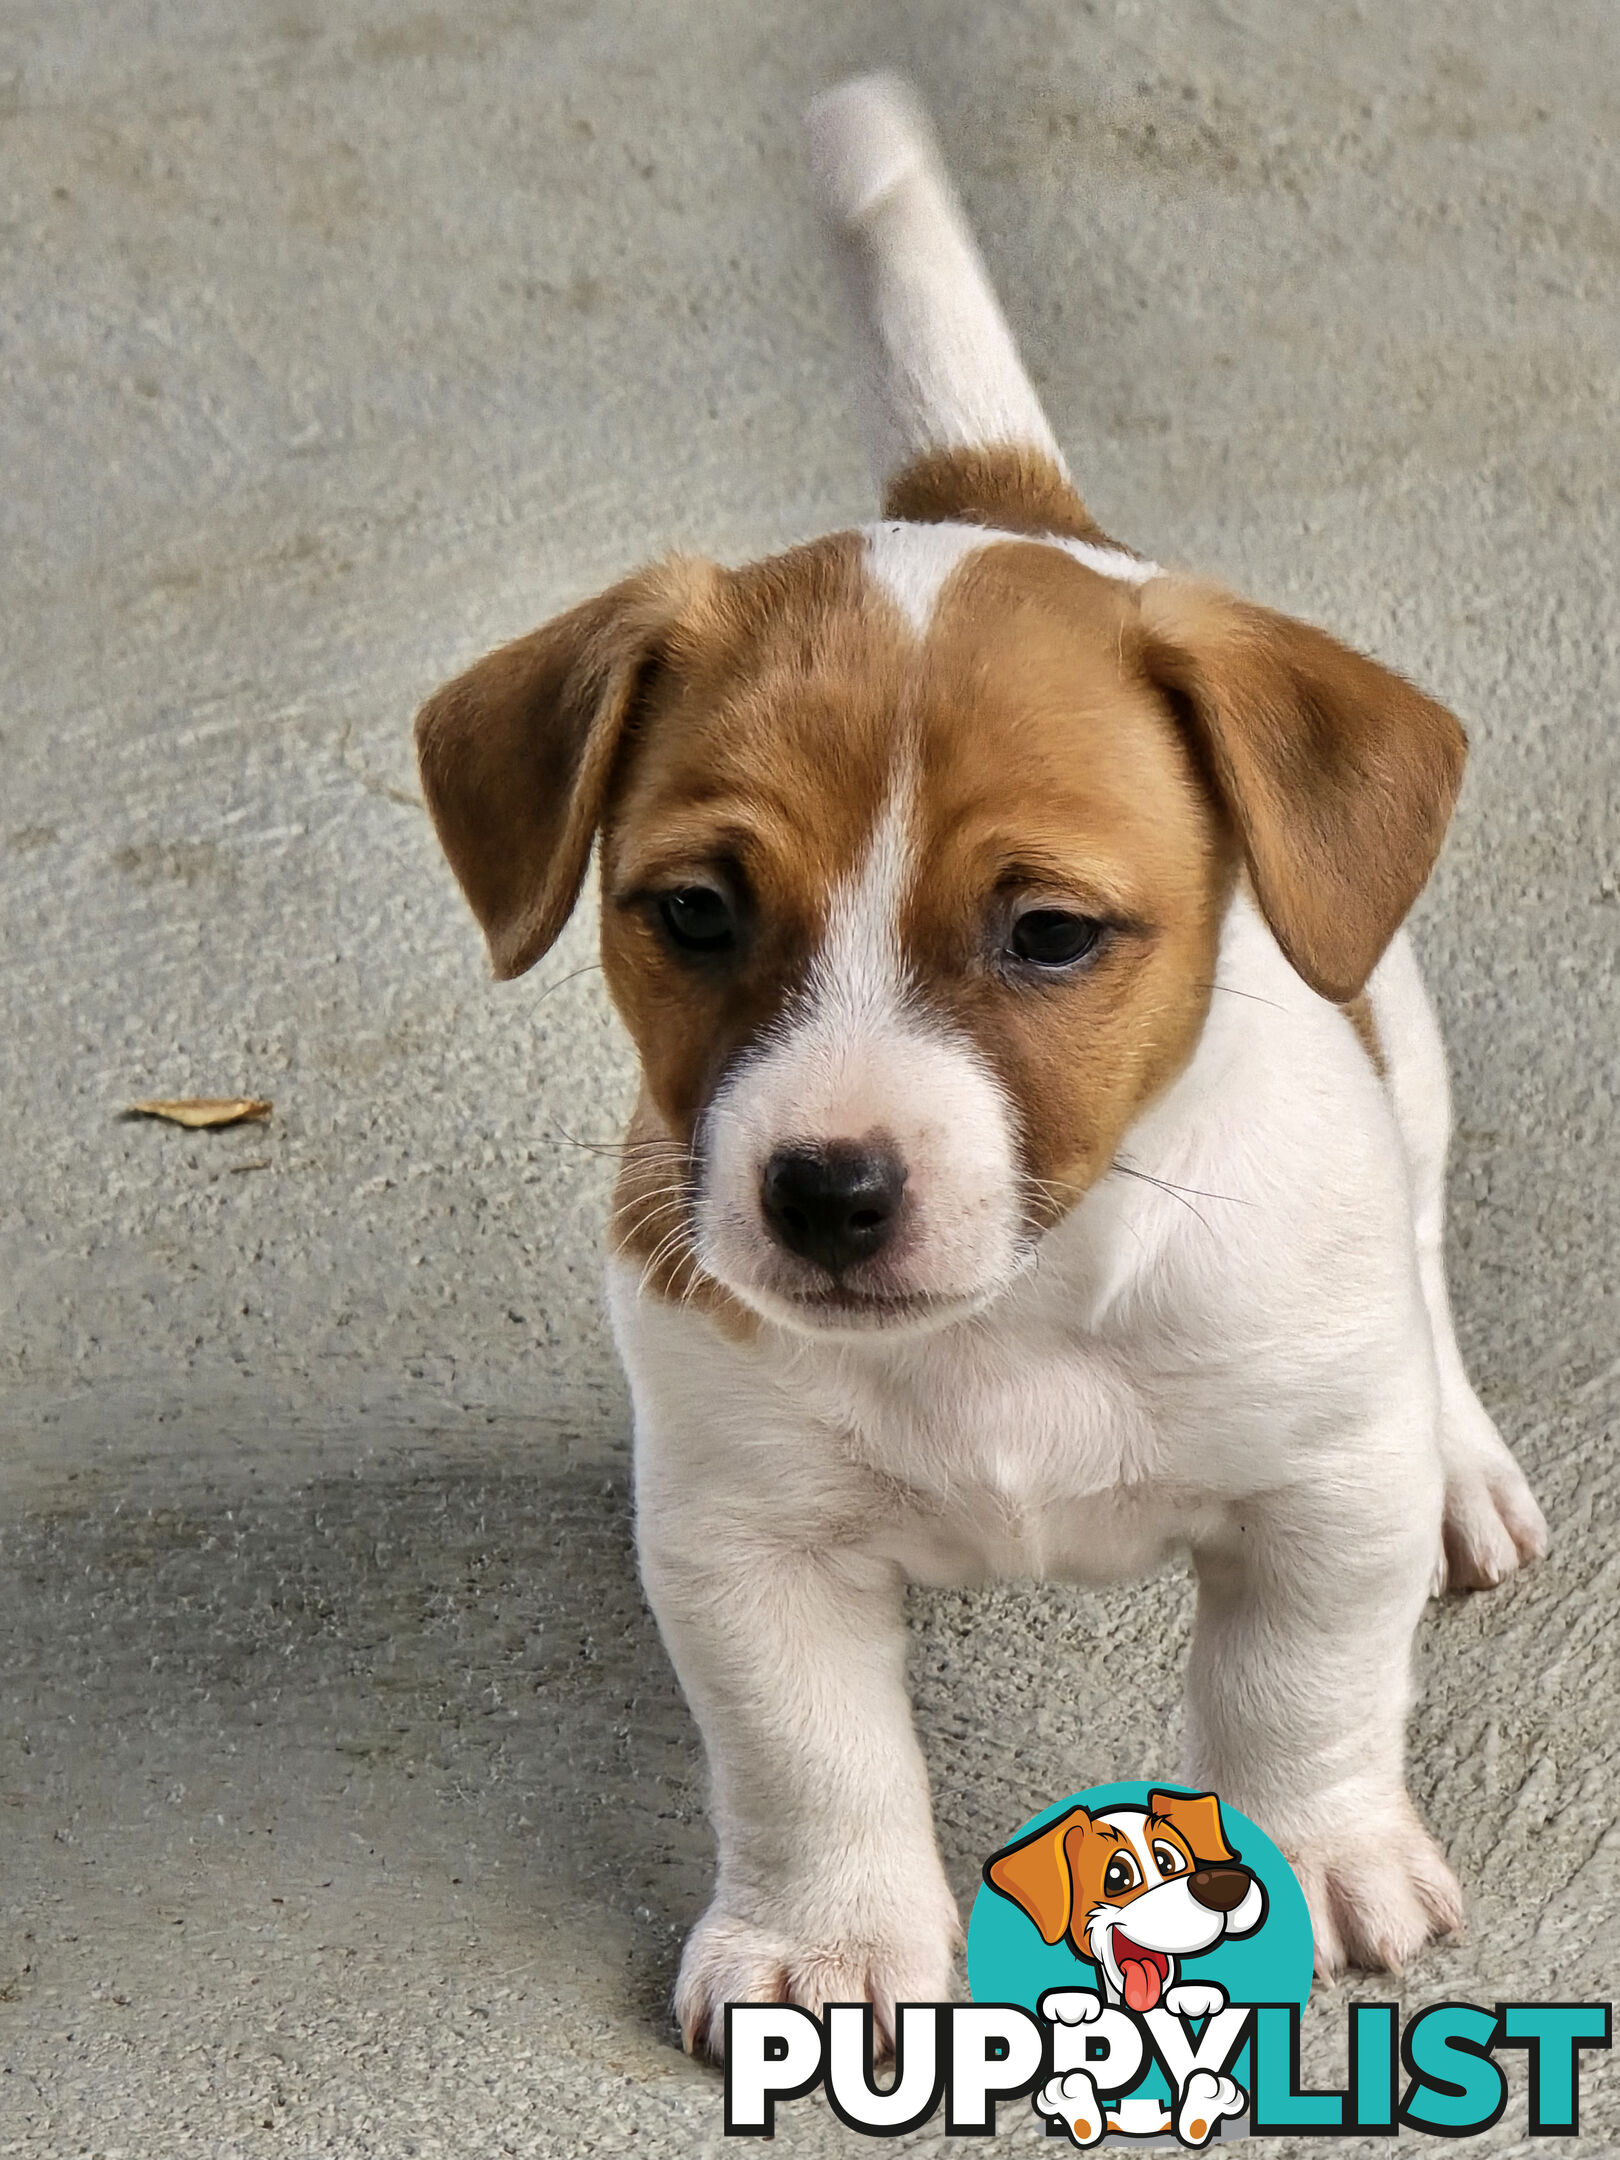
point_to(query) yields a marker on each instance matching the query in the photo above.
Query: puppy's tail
(943, 375)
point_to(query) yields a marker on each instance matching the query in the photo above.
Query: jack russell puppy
(1038, 1169)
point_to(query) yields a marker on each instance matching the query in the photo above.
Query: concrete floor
(348, 1805)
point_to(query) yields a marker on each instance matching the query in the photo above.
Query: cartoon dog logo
(1135, 1890)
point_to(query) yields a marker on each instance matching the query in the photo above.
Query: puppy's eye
(1120, 1876)
(1168, 1861)
(1053, 938)
(698, 919)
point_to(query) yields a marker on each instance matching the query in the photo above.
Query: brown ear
(1034, 1873)
(1196, 1818)
(1338, 775)
(516, 755)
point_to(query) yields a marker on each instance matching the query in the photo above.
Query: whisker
(649, 1200)
(1169, 1185)
(1135, 1233)
(589, 1147)
(672, 1236)
(674, 1265)
(674, 1205)
(666, 1247)
(656, 1176)
(1177, 1192)
(1253, 996)
(646, 1279)
(1045, 1189)
(622, 1148)
(661, 1194)
(591, 967)
(1164, 1188)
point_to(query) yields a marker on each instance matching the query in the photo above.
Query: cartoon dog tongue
(1140, 1974)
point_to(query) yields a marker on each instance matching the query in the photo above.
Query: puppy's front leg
(1298, 1688)
(830, 1887)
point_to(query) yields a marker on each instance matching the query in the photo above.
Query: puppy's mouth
(839, 1310)
(862, 1302)
(1142, 1972)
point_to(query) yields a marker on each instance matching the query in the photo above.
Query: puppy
(1039, 1161)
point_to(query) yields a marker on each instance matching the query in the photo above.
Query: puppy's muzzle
(1220, 1889)
(834, 1205)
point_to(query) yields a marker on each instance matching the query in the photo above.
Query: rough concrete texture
(348, 1804)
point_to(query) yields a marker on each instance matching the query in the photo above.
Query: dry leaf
(200, 1111)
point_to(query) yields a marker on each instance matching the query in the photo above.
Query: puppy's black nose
(835, 1204)
(1222, 1889)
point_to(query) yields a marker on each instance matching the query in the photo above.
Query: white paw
(1378, 1890)
(1206, 2100)
(728, 1959)
(1072, 2100)
(1492, 1526)
(1192, 2000)
(1069, 2006)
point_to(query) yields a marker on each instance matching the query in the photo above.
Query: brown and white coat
(1148, 1253)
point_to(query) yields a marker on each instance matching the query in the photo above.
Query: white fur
(912, 564)
(1255, 1369)
(854, 1058)
(943, 371)
(1109, 562)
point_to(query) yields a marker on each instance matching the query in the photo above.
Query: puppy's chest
(1005, 1460)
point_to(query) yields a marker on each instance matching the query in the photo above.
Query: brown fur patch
(1338, 775)
(516, 754)
(1358, 1011)
(1007, 488)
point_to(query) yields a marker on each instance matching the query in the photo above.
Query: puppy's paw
(1492, 1526)
(1206, 2100)
(728, 1959)
(1378, 1891)
(1195, 1999)
(1070, 2006)
(1072, 2101)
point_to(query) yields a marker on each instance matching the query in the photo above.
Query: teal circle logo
(1139, 1898)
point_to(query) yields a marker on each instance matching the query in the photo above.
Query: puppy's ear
(516, 754)
(1337, 774)
(1034, 1873)
(1196, 1819)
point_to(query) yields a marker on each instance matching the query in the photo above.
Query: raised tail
(948, 404)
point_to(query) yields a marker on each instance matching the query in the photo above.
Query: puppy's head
(915, 844)
(1133, 1888)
